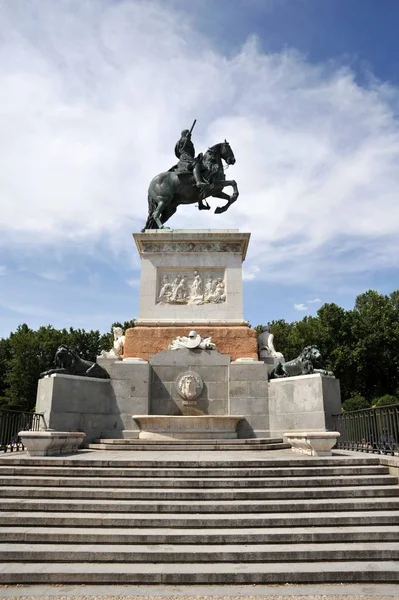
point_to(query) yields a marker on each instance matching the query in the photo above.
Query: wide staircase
(90, 519)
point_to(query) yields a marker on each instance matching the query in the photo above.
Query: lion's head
(313, 354)
(65, 357)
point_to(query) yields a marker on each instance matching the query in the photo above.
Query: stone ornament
(189, 385)
(171, 247)
(266, 347)
(191, 289)
(119, 343)
(308, 362)
(192, 341)
(70, 363)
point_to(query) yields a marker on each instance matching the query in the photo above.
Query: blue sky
(93, 96)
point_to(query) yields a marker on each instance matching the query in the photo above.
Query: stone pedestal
(303, 403)
(144, 342)
(99, 407)
(191, 279)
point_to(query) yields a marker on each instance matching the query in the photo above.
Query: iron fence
(369, 430)
(13, 421)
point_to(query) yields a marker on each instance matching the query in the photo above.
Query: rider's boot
(199, 182)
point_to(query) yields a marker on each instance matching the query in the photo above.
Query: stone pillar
(248, 396)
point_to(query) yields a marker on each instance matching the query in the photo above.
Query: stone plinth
(191, 276)
(157, 427)
(99, 407)
(303, 403)
(142, 342)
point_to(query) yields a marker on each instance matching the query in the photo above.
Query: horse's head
(227, 153)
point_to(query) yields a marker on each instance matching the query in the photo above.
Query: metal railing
(369, 430)
(11, 423)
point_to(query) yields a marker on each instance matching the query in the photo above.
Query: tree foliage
(27, 353)
(360, 345)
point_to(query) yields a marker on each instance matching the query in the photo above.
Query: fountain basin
(166, 427)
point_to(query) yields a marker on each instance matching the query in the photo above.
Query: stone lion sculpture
(309, 361)
(70, 363)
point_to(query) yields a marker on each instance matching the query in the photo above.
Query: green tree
(385, 400)
(5, 355)
(358, 402)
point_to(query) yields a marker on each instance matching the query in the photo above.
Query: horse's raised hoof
(219, 209)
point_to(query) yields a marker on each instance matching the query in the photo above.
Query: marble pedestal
(191, 279)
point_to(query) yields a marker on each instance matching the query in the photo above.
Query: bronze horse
(170, 189)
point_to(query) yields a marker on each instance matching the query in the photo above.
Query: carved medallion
(189, 386)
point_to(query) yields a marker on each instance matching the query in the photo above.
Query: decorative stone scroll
(192, 341)
(189, 385)
(191, 287)
(192, 247)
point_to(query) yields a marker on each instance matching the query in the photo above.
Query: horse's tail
(150, 223)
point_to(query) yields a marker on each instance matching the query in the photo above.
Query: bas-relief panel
(187, 286)
(192, 247)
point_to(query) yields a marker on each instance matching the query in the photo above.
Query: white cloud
(53, 275)
(133, 282)
(251, 273)
(314, 301)
(94, 95)
(301, 307)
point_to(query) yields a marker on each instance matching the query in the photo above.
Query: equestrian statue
(191, 180)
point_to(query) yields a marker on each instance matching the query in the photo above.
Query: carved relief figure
(190, 289)
(215, 291)
(166, 289)
(196, 286)
(189, 385)
(181, 292)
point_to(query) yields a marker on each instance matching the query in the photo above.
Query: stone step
(200, 506)
(199, 446)
(188, 553)
(177, 442)
(149, 461)
(315, 516)
(196, 482)
(210, 494)
(185, 573)
(152, 473)
(174, 535)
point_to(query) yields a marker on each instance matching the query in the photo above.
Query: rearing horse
(171, 188)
